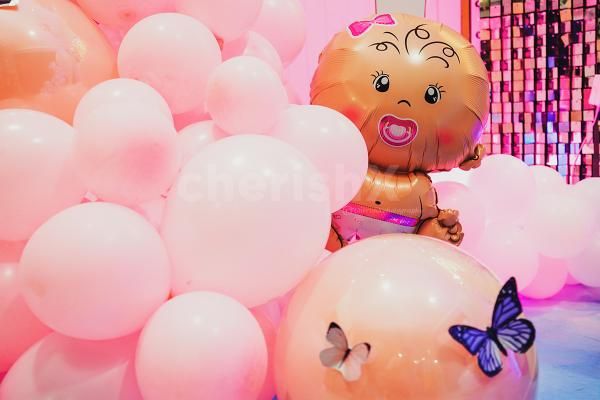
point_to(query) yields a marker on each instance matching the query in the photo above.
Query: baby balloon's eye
(382, 83)
(433, 94)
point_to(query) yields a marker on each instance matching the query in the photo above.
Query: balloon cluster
(135, 256)
(527, 222)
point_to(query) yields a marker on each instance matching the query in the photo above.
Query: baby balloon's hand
(444, 227)
(474, 161)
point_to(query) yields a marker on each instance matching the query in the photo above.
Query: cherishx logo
(8, 3)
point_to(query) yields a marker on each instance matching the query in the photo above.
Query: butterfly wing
(489, 359)
(333, 357)
(508, 306)
(471, 338)
(517, 335)
(351, 367)
(336, 336)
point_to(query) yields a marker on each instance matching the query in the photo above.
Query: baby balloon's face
(416, 89)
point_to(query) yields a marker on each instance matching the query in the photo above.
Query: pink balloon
(114, 36)
(173, 53)
(127, 153)
(79, 271)
(550, 279)
(571, 280)
(201, 345)
(507, 251)
(589, 188)
(547, 179)
(37, 173)
(562, 223)
(196, 137)
(293, 97)
(283, 23)
(123, 92)
(269, 317)
(334, 145)
(20, 328)
(152, 211)
(452, 195)
(245, 95)
(253, 206)
(198, 114)
(58, 367)
(491, 182)
(228, 19)
(584, 267)
(123, 13)
(254, 45)
(10, 252)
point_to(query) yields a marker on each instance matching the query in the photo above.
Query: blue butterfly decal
(506, 333)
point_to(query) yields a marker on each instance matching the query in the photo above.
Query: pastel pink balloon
(562, 223)
(114, 36)
(507, 250)
(123, 13)
(20, 328)
(228, 19)
(173, 53)
(492, 180)
(152, 211)
(201, 345)
(58, 367)
(37, 172)
(589, 188)
(253, 206)
(10, 252)
(95, 271)
(183, 120)
(547, 179)
(245, 95)
(584, 267)
(571, 280)
(293, 97)
(550, 279)
(453, 195)
(254, 45)
(315, 130)
(123, 92)
(196, 137)
(269, 317)
(127, 153)
(283, 23)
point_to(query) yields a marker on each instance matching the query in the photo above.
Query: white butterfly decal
(340, 357)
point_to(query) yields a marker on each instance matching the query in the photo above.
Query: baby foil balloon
(419, 93)
(50, 55)
(392, 317)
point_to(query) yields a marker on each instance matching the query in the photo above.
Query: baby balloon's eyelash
(439, 87)
(377, 74)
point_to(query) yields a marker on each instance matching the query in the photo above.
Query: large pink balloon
(248, 217)
(185, 119)
(121, 91)
(228, 19)
(399, 293)
(269, 317)
(254, 45)
(37, 172)
(562, 223)
(584, 267)
(95, 271)
(550, 279)
(499, 173)
(589, 188)
(334, 145)
(173, 53)
(58, 367)
(20, 328)
(10, 252)
(456, 196)
(508, 250)
(197, 136)
(201, 345)
(127, 153)
(245, 95)
(547, 179)
(284, 24)
(123, 13)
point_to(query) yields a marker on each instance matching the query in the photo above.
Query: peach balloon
(248, 217)
(121, 91)
(245, 95)
(550, 279)
(51, 55)
(79, 271)
(123, 13)
(37, 171)
(20, 328)
(195, 137)
(173, 53)
(315, 131)
(127, 153)
(400, 293)
(254, 45)
(58, 367)
(201, 345)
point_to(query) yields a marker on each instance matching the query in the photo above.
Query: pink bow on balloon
(360, 27)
